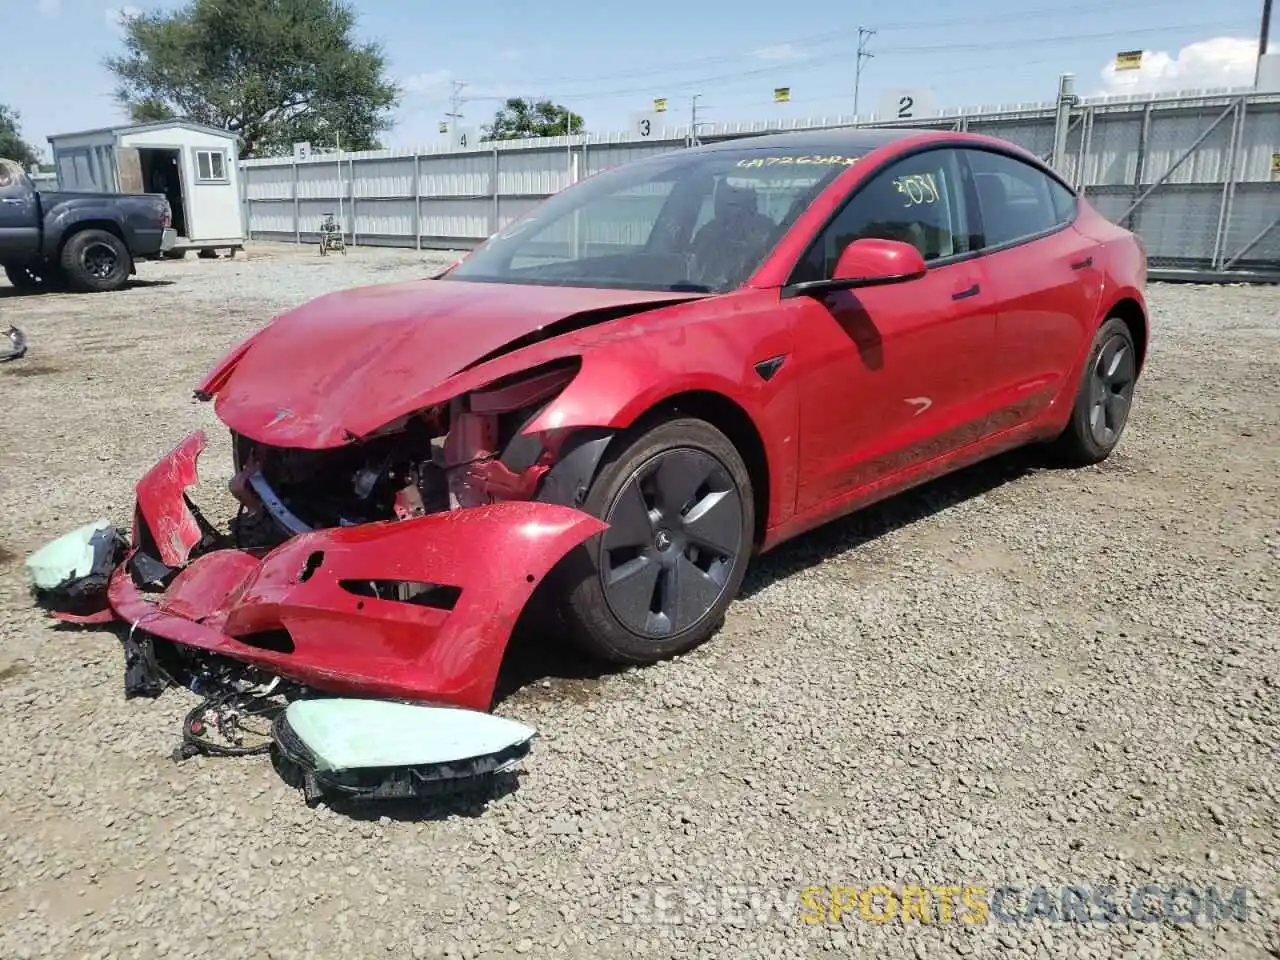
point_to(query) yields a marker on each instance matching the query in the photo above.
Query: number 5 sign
(906, 104)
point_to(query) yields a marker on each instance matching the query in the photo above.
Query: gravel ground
(1013, 676)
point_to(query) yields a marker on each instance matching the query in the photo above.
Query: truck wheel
(95, 261)
(28, 278)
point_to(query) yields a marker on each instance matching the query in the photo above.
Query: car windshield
(695, 221)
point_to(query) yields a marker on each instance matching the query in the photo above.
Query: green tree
(12, 146)
(272, 71)
(522, 117)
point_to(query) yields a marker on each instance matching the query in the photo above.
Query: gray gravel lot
(1012, 676)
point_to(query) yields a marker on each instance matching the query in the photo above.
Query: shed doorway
(162, 173)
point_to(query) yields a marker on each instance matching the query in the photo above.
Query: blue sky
(609, 60)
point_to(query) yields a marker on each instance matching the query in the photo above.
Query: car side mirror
(869, 263)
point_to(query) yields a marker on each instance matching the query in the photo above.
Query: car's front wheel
(1103, 398)
(678, 500)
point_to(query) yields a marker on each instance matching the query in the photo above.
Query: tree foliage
(12, 146)
(272, 71)
(522, 117)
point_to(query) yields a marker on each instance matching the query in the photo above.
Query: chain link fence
(1197, 177)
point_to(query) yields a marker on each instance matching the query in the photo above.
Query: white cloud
(424, 82)
(1219, 62)
(49, 8)
(780, 51)
(117, 17)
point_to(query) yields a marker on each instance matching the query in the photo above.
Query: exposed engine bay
(466, 453)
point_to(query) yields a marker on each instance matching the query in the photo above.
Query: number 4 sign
(906, 104)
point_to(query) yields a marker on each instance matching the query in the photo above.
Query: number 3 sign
(647, 126)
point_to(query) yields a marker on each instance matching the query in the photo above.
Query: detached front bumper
(315, 610)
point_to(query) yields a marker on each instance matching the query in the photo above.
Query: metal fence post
(1086, 149)
(351, 166)
(1228, 188)
(245, 214)
(1062, 121)
(297, 212)
(493, 189)
(417, 200)
(1139, 167)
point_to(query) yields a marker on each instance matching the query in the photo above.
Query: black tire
(672, 561)
(208, 254)
(94, 261)
(1103, 398)
(31, 278)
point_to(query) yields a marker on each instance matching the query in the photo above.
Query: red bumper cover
(302, 610)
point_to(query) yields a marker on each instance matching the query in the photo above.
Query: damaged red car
(655, 375)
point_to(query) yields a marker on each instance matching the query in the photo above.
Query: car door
(19, 215)
(1044, 279)
(891, 376)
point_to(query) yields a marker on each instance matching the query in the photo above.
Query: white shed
(193, 165)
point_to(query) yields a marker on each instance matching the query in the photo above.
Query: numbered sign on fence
(647, 125)
(463, 138)
(906, 104)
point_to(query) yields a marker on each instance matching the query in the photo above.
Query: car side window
(1017, 200)
(917, 200)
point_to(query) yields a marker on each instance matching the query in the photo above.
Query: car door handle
(18, 201)
(966, 294)
(1084, 264)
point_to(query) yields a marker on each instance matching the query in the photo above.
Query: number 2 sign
(906, 104)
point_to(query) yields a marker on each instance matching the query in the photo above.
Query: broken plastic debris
(69, 557)
(69, 575)
(386, 749)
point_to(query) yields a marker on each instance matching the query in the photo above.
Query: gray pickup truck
(86, 241)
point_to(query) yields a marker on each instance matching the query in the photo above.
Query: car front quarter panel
(622, 380)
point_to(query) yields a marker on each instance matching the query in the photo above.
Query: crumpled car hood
(347, 363)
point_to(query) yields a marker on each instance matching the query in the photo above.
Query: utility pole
(693, 120)
(864, 37)
(455, 103)
(1264, 34)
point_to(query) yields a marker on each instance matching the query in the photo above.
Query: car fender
(620, 382)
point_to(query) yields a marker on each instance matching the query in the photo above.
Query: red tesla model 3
(658, 373)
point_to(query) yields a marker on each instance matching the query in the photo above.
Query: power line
(740, 75)
(830, 38)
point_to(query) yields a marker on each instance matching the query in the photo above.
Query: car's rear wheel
(95, 261)
(1103, 399)
(678, 501)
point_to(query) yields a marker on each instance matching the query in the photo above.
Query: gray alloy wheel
(1103, 400)
(675, 532)
(1111, 390)
(679, 502)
